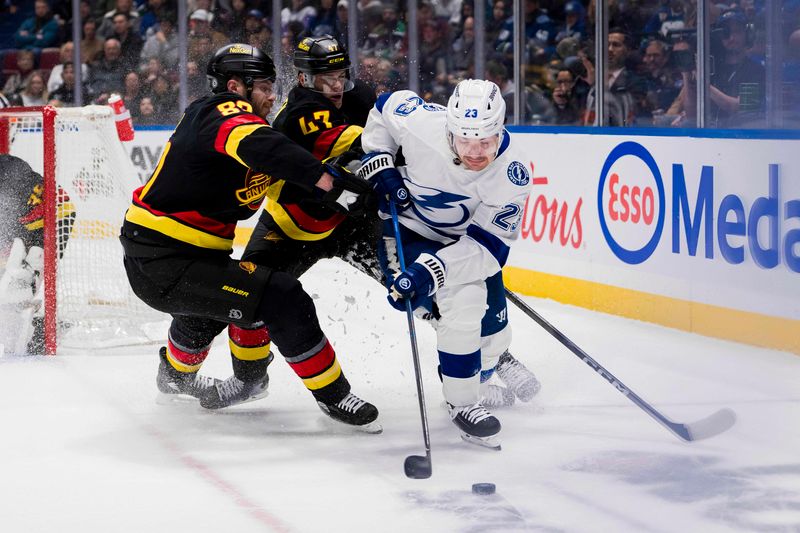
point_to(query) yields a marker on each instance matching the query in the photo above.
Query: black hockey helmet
(316, 55)
(242, 60)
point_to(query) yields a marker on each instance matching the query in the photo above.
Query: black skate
(477, 425)
(181, 384)
(494, 396)
(234, 391)
(517, 377)
(354, 411)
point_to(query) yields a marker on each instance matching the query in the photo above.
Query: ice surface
(84, 447)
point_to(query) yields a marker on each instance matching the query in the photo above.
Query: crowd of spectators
(131, 47)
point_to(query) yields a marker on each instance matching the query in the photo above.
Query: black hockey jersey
(214, 171)
(312, 121)
(22, 204)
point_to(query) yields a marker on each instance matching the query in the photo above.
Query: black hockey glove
(379, 169)
(350, 194)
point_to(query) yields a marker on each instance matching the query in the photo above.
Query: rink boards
(693, 229)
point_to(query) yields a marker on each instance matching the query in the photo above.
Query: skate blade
(486, 442)
(246, 400)
(169, 398)
(373, 428)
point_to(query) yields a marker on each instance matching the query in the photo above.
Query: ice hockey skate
(355, 412)
(477, 425)
(494, 396)
(180, 385)
(517, 377)
(234, 391)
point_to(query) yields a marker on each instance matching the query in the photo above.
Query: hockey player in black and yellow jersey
(21, 250)
(178, 235)
(324, 113)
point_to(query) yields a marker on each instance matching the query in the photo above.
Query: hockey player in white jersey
(460, 197)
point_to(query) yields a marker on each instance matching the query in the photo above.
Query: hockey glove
(378, 168)
(350, 194)
(420, 280)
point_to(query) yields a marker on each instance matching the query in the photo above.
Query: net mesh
(95, 305)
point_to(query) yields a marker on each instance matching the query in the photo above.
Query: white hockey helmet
(476, 110)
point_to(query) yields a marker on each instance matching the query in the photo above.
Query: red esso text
(632, 204)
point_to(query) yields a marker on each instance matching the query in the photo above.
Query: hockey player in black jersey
(325, 114)
(216, 169)
(21, 250)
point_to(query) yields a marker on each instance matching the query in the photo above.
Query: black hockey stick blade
(708, 427)
(705, 428)
(418, 466)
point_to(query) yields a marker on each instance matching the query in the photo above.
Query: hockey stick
(710, 426)
(416, 466)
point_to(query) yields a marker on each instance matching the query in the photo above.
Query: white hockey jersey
(475, 213)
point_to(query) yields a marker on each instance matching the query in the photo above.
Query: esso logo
(630, 202)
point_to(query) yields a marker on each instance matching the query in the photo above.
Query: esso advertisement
(711, 220)
(631, 202)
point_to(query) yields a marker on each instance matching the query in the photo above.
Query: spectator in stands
(341, 21)
(130, 42)
(538, 110)
(539, 28)
(201, 48)
(150, 72)
(149, 15)
(196, 81)
(435, 63)
(737, 89)
(464, 52)
(261, 39)
(683, 110)
(662, 83)
(10, 7)
(163, 43)
(298, 11)
(324, 22)
(106, 75)
(16, 80)
(132, 92)
(65, 56)
(625, 89)
(232, 21)
(34, 92)
(574, 25)
(165, 100)
(200, 24)
(39, 31)
(449, 12)
(386, 38)
(146, 113)
(568, 110)
(64, 94)
(92, 44)
(496, 19)
(107, 28)
(668, 17)
(255, 28)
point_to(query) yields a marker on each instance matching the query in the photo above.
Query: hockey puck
(483, 488)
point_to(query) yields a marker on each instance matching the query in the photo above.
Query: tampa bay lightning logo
(404, 283)
(402, 194)
(445, 206)
(518, 174)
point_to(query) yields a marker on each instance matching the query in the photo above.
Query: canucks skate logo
(518, 174)
(254, 190)
(445, 206)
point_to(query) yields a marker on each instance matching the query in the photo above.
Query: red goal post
(88, 303)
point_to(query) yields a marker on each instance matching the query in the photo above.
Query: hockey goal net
(88, 303)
